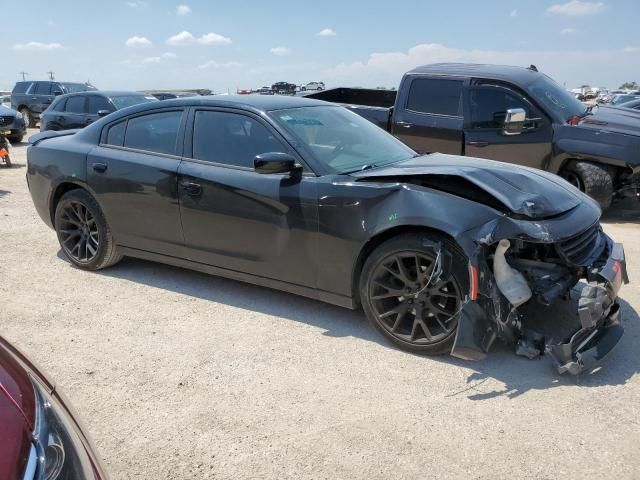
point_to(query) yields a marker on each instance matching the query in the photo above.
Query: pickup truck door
(428, 114)
(485, 108)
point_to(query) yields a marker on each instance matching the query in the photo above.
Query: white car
(312, 86)
(5, 101)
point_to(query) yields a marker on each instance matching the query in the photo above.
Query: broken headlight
(58, 451)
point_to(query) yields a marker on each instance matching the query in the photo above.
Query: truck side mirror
(514, 121)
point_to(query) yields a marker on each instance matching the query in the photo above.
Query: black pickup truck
(510, 114)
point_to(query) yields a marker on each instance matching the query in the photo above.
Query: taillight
(575, 120)
(473, 281)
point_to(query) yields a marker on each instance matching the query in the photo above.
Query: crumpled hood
(524, 191)
(614, 119)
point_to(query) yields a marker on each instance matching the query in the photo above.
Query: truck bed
(374, 105)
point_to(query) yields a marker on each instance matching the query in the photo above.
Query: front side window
(231, 138)
(155, 132)
(435, 96)
(489, 105)
(97, 103)
(340, 140)
(75, 105)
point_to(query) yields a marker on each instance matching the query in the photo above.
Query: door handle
(100, 167)
(478, 143)
(191, 188)
(404, 124)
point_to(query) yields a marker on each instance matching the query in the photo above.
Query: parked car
(5, 101)
(41, 436)
(31, 98)
(510, 114)
(284, 88)
(12, 122)
(632, 104)
(620, 99)
(265, 91)
(312, 86)
(172, 95)
(77, 110)
(307, 197)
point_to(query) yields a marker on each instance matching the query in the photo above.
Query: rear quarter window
(435, 95)
(21, 87)
(155, 132)
(115, 134)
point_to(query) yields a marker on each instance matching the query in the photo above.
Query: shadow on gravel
(4, 192)
(517, 374)
(623, 211)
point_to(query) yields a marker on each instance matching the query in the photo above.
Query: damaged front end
(520, 264)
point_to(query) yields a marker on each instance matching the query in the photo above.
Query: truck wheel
(408, 299)
(592, 179)
(28, 118)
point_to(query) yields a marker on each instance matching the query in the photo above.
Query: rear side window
(57, 105)
(43, 88)
(156, 132)
(97, 103)
(435, 95)
(231, 138)
(21, 87)
(75, 105)
(115, 135)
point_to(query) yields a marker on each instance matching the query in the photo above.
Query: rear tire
(29, 121)
(83, 232)
(592, 179)
(16, 139)
(405, 301)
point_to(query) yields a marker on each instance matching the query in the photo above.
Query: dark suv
(31, 98)
(77, 110)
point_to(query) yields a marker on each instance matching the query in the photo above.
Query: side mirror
(275, 162)
(103, 113)
(57, 93)
(514, 121)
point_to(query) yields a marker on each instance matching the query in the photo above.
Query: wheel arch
(376, 241)
(59, 191)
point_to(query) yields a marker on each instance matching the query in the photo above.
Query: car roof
(106, 93)
(518, 75)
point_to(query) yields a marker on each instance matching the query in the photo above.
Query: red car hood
(17, 414)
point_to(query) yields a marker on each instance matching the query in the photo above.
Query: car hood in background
(614, 119)
(4, 111)
(528, 192)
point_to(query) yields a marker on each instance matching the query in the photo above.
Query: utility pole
(24, 75)
(51, 77)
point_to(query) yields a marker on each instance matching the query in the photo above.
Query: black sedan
(440, 251)
(77, 110)
(12, 122)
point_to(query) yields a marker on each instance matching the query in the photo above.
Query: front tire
(83, 232)
(592, 179)
(411, 301)
(16, 138)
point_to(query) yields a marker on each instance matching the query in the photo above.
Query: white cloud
(187, 38)
(577, 8)
(327, 32)
(138, 42)
(631, 49)
(214, 64)
(280, 51)
(159, 59)
(138, 4)
(568, 31)
(183, 10)
(514, 13)
(151, 60)
(169, 55)
(37, 46)
(214, 39)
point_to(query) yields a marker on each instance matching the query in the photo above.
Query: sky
(226, 45)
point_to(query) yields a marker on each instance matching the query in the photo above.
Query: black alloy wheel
(412, 295)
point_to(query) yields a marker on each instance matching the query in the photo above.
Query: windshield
(555, 98)
(339, 139)
(124, 101)
(77, 87)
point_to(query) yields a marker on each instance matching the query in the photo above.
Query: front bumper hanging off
(599, 314)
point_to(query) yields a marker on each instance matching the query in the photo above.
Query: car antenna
(533, 68)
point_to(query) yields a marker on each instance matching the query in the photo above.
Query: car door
(133, 173)
(74, 114)
(486, 106)
(428, 114)
(41, 97)
(95, 104)
(237, 219)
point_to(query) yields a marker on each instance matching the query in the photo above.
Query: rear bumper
(600, 328)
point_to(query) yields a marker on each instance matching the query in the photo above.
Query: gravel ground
(181, 375)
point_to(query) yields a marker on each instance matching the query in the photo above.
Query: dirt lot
(181, 375)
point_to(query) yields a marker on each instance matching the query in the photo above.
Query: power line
(24, 75)
(51, 76)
